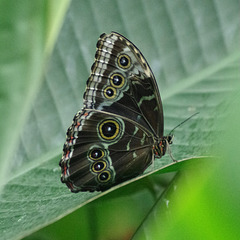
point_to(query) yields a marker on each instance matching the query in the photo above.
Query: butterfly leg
(170, 152)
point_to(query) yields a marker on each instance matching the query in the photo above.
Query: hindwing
(102, 150)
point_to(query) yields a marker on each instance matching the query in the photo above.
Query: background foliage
(193, 49)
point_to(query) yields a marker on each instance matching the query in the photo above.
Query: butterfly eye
(124, 61)
(117, 80)
(104, 176)
(110, 92)
(96, 154)
(109, 129)
(98, 166)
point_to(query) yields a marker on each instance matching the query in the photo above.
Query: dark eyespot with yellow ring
(124, 61)
(98, 166)
(109, 92)
(104, 176)
(96, 154)
(109, 129)
(117, 80)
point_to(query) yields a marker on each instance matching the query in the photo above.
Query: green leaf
(192, 48)
(204, 203)
(22, 43)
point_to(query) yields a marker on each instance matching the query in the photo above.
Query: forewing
(121, 82)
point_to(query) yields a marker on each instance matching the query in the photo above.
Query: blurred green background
(47, 49)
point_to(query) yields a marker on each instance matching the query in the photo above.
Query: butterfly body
(119, 131)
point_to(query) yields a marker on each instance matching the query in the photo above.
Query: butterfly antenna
(183, 122)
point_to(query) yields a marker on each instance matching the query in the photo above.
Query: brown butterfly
(119, 132)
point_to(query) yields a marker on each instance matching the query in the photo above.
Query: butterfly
(119, 131)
